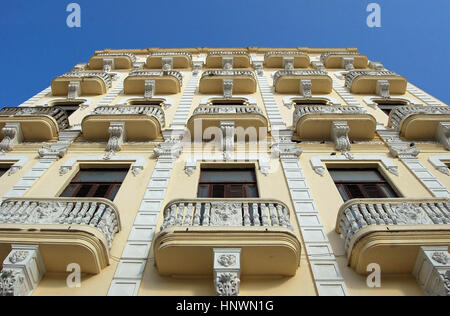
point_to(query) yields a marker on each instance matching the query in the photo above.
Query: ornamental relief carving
(440, 257)
(18, 256)
(410, 214)
(227, 284)
(227, 260)
(226, 214)
(46, 213)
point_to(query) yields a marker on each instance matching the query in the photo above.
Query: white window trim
(20, 162)
(436, 162)
(319, 167)
(168, 102)
(138, 166)
(369, 101)
(206, 100)
(287, 101)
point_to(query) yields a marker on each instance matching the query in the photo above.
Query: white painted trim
(20, 162)
(264, 162)
(369, 100)
(319, 167)
(137, 167)
(167, 101)
(436, 162)
(206, 100)
(87, 101)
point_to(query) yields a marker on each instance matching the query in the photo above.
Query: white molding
(206, 100)
(436, 162)
(263, 162)
(319, 167)
(369, 100)
(136, 168)
(287, 101)
(87, 101)
(168, 102)
(20, 162)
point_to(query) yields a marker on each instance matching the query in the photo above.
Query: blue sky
(37, 45)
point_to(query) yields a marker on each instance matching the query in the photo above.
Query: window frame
(4, 169)
(210, 184)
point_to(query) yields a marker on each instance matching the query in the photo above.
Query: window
(388, 105)
(228, 183)
(361, 183)
(69, 108)
(98, 183)
(224, 102)
(3, 170)
(306, 102)
(154, 102)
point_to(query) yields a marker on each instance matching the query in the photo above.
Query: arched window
(387, 105)
(69, 107)
(228, 102)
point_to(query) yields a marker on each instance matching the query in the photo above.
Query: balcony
(37, 124)
(179, 60)
(115, 60)
(193, 228)
(391, 231)
(66, 230)
(315, 122)
(367, 82)
(336, 60)
(419, 122)
(218, 59)
(165, 82)
(212, 81)
(90, 83)
(243, 116)
(142, 122)
(290, 81)
(277, 59)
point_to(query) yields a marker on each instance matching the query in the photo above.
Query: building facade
(236, 171)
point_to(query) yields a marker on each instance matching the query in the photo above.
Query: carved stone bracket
(348, 63)
(339, 134)
(74, 90)
(228, 88)
(227, 62)
(376, 65)
(443, 134)
(227, 271)
(149, 89)
(22, 271)
(228, 131)
(383, 87)
(318, 65)
(117, 137)
(197, 68)
(305, 88)
(170, 149)
(288, 63)
(432, 270)
(167, 63)
(437, 163)
(12, 135)
(108, 64)
(58, 150)
(397, 147)
(259, 68)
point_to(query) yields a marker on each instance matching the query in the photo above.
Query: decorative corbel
(339, 134)
(197, 68)
(228, 88)
(170, 149)
(74, 90)
(305, 88)
(228, 132)
(108, 64)
(348, 63)
(12, 135)
(376, 65)
(116, 139)
(259, 68)
(167, 63)
(227, 62)
(403, 151)
(383, 88)
(227, 271)
(150, 86)
(288, 63)
(318, 65)
(443, 134)
(23, 270)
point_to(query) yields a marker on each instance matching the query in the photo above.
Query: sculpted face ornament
(227, 260)
(18, 256)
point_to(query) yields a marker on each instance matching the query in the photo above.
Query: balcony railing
(301, 110)
(89, 83)
(97, 213)
(236, 59)
(58, 114)
(120, 60)
(336, 59)
(177, 60)
(281, 73)
(392, 230)
(228, 109)
(367, 81)
(276, 59)
(401, 113)
(80, 75)
(228, 213)
(212, 73)
(150, 110)
(306, 82)
(170, 73)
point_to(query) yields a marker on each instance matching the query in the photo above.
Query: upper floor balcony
(141, 122)
(390, 232)
(115, 61)
(172, 60)
(340, 60)
(234, 59)
(87, 83)
(153, 82)
(66, 230)
(193, 228)
(421, 122)
(213, 81)
(316, 122)
(302, 81)
(37, 124)
(289, 59)
(374, 82)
